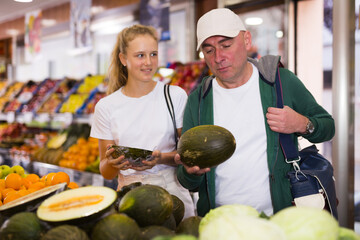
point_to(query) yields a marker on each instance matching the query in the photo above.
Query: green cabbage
(177, 237)
(347, 234)
(226, 210)
(301, 223)
(231, 227)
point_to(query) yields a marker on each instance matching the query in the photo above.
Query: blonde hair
(117, 72)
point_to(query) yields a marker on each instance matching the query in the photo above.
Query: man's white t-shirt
(142, 122)
(243, 178)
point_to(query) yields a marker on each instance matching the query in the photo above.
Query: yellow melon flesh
(76, 203)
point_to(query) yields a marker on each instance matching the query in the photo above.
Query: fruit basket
(54, 100)
(44, 89)
(23, 97)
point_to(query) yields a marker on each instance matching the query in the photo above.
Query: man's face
(227, 57)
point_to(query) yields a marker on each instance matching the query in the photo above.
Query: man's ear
(122, 58)
(247, 40)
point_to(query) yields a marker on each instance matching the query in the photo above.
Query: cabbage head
(301, 223)
(228, 210)
(231, 227)
(347, 234)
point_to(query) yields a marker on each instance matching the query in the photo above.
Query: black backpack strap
(171, 111)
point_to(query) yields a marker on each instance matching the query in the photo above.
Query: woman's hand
(149, 164)
(118, 163)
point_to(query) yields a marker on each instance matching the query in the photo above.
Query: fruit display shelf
(80, 177)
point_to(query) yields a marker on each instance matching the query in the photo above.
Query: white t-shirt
(142, 122)
(243, 178)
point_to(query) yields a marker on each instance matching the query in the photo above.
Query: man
(241, 97)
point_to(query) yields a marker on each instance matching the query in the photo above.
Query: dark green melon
(178, 209)
(150, 232)
(123, 191)
(135, 156)
(189, 226)
(170, 223)
(147, 204)
(68, 232)
(116, 226)
(21, 226)
(206, 146)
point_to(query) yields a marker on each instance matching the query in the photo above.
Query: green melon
(68, 232)
(176, 237)
(189, 226)
(206, 146)
(147, 204)
(135, 156)
(77, 206)
(178, 209)
(170, 222)
(150, 232)
(116, 226)
(21, 226)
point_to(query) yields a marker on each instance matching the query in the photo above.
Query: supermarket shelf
(56, 121)
(80, 177)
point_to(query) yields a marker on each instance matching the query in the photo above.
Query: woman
(135, 114)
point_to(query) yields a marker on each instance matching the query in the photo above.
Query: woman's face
(141, 59)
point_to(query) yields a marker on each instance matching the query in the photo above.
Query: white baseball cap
(218, 22)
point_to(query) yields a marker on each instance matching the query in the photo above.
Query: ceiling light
(97, 9)
(279, 34)
(12, 32)
(254, 21)
(23, 0)
(48, 22)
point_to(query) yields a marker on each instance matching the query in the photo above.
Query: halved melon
(30, 201)
(76, 204)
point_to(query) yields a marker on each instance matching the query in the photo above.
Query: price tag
(28, 117)
(10, 117)
(25, 97)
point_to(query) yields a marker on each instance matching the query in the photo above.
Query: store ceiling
(10, 10)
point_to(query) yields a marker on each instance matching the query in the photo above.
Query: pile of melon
(137, 211)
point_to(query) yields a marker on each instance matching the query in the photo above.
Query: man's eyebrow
(221, 41)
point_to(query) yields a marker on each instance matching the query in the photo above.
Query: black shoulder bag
(171, 111)
(312, 180)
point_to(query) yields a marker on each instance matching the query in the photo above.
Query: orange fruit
(23, 192)
(72, 185)
(13, 180)
(11, 197)
(60, 177)
(33, 178)
(2, 184)
(36, 186)
(48, 178)
(5, 192)
(26, 183)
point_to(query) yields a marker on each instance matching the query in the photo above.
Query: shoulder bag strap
(289, 149)
(171, 111)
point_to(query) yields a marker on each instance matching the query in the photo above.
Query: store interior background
(58, 57)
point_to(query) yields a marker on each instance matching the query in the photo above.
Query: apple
(5, 170)
(18, 169)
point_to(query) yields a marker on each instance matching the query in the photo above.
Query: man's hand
(286, 120)
(191, 170)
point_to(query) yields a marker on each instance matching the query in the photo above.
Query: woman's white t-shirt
(142, 122)
(243, 178)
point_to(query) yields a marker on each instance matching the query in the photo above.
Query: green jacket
(199, 111)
